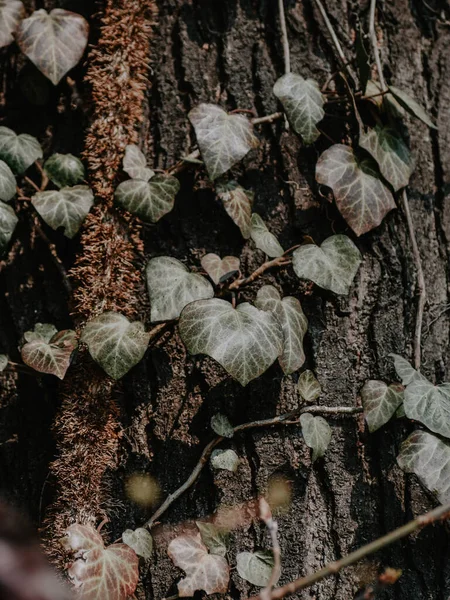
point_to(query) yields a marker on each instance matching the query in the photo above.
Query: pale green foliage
(135, 164)
(405, 371)
(411, 106)
(3, 362)
(7, 182)
(222, 426)
(8, 222)
(264, 240)
(217, 267)
(238, 204)
(49, 351)
(11, 13)
(227, 460)
(380, 402)
(308, 386)
(42, 332)
(255, 567)
(18, 151)
(215, 539)
(140, 541)
(316, 433)
(64, 170)
(66, 208)
(149, 200)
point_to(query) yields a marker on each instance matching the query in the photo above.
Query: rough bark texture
(230, 52)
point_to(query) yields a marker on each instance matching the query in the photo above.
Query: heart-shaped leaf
(238, 204)
(332, 266)
(207, 572)
(244, 340)
(227, 460)
(391, 153)
(11, 13)
(264, 240)
(380, 402)
(411, 106)
(140, 541)
(100, 573)
(171, 286)
(308, 386)
(149, 200)
(18, 151)
(303, 103)
(114, 343)
(316, 433)
(405, 370)
(64, 169)
(222, 426)
(429, 458)
(54, 42)
(429, 404)
(255, 567)
(48, 353)
(3, 362)
(293, 323)
(223, 139)
(42, 332)
(135, 164)
(362, 199)
(215, 539)
(7, 182)
(65, 208)
(8, 222)
(217, 267)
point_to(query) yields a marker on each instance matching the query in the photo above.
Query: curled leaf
(217, 267)
(140, 541)
(264, 240)
(149, 200)
(64, 170)
(66, 208)
(380, 402)
(8, 222)
(135, 164)
(7, 182)
(11, 13)
(227, 460)
(255, 567)
(47, 353)
(18, 151)
(411, 106)
(238, 204)
(316, 433)
(308, 386)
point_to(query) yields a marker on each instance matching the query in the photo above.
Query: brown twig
(374, 42)
(266, 515)
(267, 119)
(276, 262)
(284, 35)
(33, 185)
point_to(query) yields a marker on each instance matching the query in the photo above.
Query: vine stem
(284, 35)
(266, 516)
(442, 512)
(267, 119)
(374, 41)
(276, 262)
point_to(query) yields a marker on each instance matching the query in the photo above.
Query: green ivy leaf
(332, 266)
(226, 460)
(362, 199)
(42, 332)
(316, 433)
(405, 370)
(217, 267)
(18, 151)
(308, 386)
(64, 170)
(3, 362)
(244, 340)
(293, 323)
(264, 240)
(114, 343)
(149, 200)
(65, 208)
(303, 103)
(214, 539)
(47, 353)
(411, 106)
(222, 426)
(380, 402)
(140, 541)
(54, 42)
(223, 139)
(171, 286)
(135, 164)
(238, 204)
(255, 567)
(11, 13)
(8, 222)
(7, 182)
(429, 404)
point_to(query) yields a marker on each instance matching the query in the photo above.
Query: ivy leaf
(244, 340)
(54, 42)
(140, 541)
(332, 266)
(411, 106)
(214, 538)
(405, 370)
(391, 153)
(99, 572)
(308, 386)
(66, 208)
(361, 197)
(8, 222)
(135, 164)
(7, 182)
(217, 267)
(171, 287)
(18, 151)
(429, 458)
(223, 139)
(222, 426)
(264, 240)
(3, 362)
(316, 433)
(303, 104)
(238, 204)
(293, 323)
(380, 402)
(64, 170)
(149, 200)
(48, 353)
(11, 13)
(255, 567)
(42, 332)
(429, 404)
(207, 572)
(226, 460)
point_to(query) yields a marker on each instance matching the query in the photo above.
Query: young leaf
(429, 458)
(238, 204)
(264, 240)
(3, 362)
(217, 267)
(405, 371)
(98, 572)
(214, 539)
(380, 402)
(308, 386)
(244, 340)
(149, 200)
(227, 460)
(140, 541)
(293, 322)
(11, 13)
(429, 404)
(42, 332)
(8, 222)
(223, 139)
(255, 567)
(391, 153)
(411, 106)
(207, 572)
(332, 266)
(361, 197)
(49, 354)
(7, 182)
(222, 426)
(64, 170)
(303, 104)
(316, 433)
(171, 287)
(54, 42)
(135, 164)
(18, 151)
(66, 208)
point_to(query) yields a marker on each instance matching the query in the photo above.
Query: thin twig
(276, 262)
(267, 119)
(374, 42)
(266, 515)
(33, 185)
(286, 52)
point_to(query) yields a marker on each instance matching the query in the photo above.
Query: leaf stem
(284, 36)
(276, 262)
(374, 42)
(267, 119)
(33, 185)
(272, 526)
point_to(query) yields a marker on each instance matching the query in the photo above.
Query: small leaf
(135, 164)
(238, 204)
(405, 371)
(226, 460)
(429, 458)
(223, 139)
(64, 170)
(42, 332)
(293, 323)
(264, 240)
(411, 106)
(114, 343)
(3, 362)
(255, 567)
(429, 404)
(391, 153)
(11, 13)
(303, 104)
(332, 266)
(244, 340)
(171, 287)
(18, 151)
(54, 42)
(217, 267)
(308, 386)
(361, 197)
(214, 539)
(7, 182)
(222, 426)
(149, 200)
(316, 433)
(8, 222)
(66, 208)
(380, 402)
(47, 353)
(207, 572)
(140, 541)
